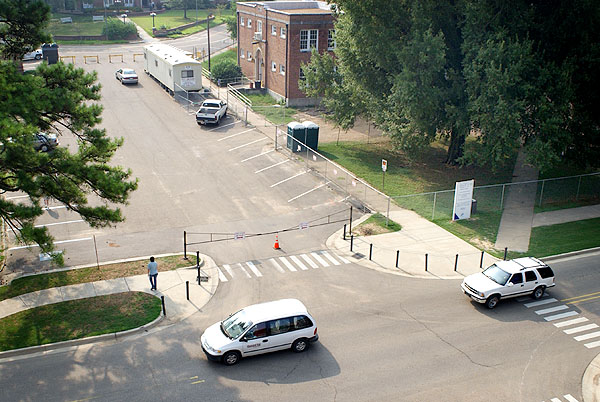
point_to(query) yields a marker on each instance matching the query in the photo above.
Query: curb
(571, 254)
(82, 341)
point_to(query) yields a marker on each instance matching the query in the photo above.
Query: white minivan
(260, 328)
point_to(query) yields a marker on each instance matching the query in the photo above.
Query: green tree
(57, 99)
(117, 29)
(320, 75)
(231, 23)
(225, 70)
(22, 27)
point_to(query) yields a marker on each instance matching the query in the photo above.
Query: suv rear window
(545, 272)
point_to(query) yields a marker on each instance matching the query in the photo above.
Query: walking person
(152, 273)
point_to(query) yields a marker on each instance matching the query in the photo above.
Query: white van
(260, 328)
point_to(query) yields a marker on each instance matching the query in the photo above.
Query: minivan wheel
(44, 148)
(300, 345)
(538, 293)
(231, 358)
(492, 301)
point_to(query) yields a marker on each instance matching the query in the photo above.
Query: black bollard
(351, 242)
(197, 258)
(505, 252)
(397, 257)
(481, 260)
(162, 299)
(370, 251)
(184, 245)
(187, 290)
(426, 262)
(345, 231)
(455, 262)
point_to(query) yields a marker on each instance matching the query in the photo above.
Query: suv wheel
(538, 293)
(300, 345)
(492, 301)
(231, 358)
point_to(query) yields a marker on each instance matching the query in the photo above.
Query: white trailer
(173, 68)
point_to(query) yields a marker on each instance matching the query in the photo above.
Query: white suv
(505, 279)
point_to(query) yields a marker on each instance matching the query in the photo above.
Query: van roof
(275, 309)
(519, 264)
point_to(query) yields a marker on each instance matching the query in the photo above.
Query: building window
(259, 26)
(187, 74)
(241, 21)
(273, 30)
(273, 66)
(249, 23)
(281, 69)
(242, 54)
(308, 39)
(128, 3)
(283, 32)
(331, 39)
(249, 56)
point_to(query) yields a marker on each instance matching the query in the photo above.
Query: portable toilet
(296, 131)
(312, 135)
(50, 53)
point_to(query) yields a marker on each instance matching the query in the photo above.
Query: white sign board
(384, 165)
(463, 195)
(303, 225)
(239, 235)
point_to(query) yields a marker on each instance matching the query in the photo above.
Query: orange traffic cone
(276, 245)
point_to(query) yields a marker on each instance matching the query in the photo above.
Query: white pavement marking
(309, 261)
(228, 269)
(318, 258)
(244, 271)
(540, 302)
(587, 336)
(570, 398)
(551, 310)
(561, 315)
(570, 322)
(272, 166)
(222, 276)
(580, 329)
(234, 135)
(345, 261)
(56, 242)
(330, 258)
(555, 400)
(256, 156)
(287, 264)
(249, 143)
(277, 266)
(58, 207)
(253, 268)
(592, 344)
(226, 125)
(17, 197)
(309, 191)
(299, 263)
(289, 178)
(59, 223)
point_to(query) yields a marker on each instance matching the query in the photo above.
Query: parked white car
(35, 55)
(45, 142)
(211, 111)
(126, 76)
(260, 328)
(506, 279)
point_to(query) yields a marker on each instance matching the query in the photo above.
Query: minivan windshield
(496, 274)
(236, 325)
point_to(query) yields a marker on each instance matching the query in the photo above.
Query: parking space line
(256, 156)
(234, 135)
(309, 191)
(56, 242)
(272, 166)
(299, 263)
(17, 197)
(289, 178)
(309, 261)
(250, 143)
(226, 125)
(59, 223)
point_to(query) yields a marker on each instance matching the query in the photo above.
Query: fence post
(578, 186)
(433, 210)
(246, 115)
(502, 199)
(397, 257)
(351, 242)
(162, 300)
(505, 252)
(187, 290)
(387, 217)
(455, 262)
(275, 138)
(542, 192)
(345, 231)
(426, 262)
(481, 260)
(185, 245)
(350, 228)
(370, 251)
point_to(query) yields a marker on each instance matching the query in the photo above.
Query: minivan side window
(545, 272)
(257, 331)
(280, 326)
(302, 321)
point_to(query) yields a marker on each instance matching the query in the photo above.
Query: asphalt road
(382, 338)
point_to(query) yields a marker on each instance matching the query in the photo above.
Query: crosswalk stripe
(570, 398)
(222, 277)
(253, 268)
(540, 302)
(592, 344)
(580, 329)
(345, 261)
(319, 259)
(287, 264)
(299, 263)
(555, 400)
(309, 261)
(277, 266)
(228, 269)
(587, 336)
(330, 258)
(551, 309)
(561, 315)
(244, 271)
(570, 322)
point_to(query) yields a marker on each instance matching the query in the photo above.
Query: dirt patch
(369, 229)
(483, 244)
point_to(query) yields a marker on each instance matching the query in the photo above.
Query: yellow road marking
(198, 382)
(86, 399)
(579, 297)
(582, 300)
(194, 377)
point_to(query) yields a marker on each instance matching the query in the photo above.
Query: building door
(259, 65)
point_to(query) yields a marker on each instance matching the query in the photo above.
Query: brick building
(275, 37)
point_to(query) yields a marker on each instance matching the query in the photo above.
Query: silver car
(126, 76)
(45, 142)
(35, 55)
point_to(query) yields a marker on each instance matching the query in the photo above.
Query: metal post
(345, 231)
(197, 258)
(351, 242)
(350, 231)
(370, 251)
(185, 245)
(455, 262)
(578, 186)
(162, 300)
(208, 34)
(542, 192)
(502, 199)
(426, 262)
(434, 200)
(505, 252)
(246, 115)
(198, 278)
(275, 138)
(387, 217)
(397, 257)
(187, 290)
(481, 260)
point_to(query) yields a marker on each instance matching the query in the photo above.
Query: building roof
(293, 7)
(171, 54)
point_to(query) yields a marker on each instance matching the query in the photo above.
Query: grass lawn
(78, 319)
(375, 225)
(263, 105)
(91, 274)
(565, 237)
(174, 18)
(230, 54)
(82, 25)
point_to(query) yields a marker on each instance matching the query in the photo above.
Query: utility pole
(208, 34)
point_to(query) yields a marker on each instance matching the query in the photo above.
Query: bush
(116, 29)
(225, 70)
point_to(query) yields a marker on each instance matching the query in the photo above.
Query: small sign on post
(239, 235)
(303, 225)
(463, 197)
(383, 169)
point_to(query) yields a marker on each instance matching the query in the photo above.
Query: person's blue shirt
(152, 268)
